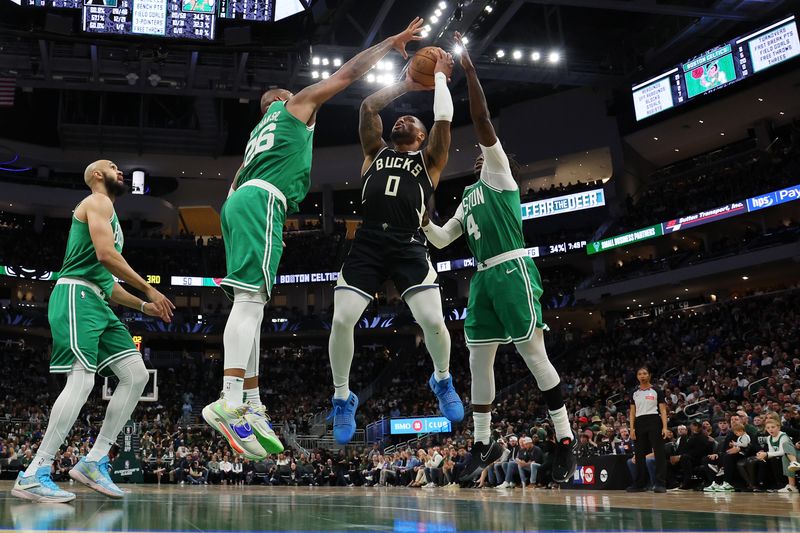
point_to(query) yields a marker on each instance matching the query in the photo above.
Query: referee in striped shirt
(648, 430)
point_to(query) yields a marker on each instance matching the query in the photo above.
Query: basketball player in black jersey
(397, 182)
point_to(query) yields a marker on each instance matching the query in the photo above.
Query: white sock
(483, 423)
(133, 378)
(241, 331)
(102, 445)
(561, 423)
(253, 396)
(232, 391)
(41, 459)
(348, 306)
(426, 307)
(63, 415)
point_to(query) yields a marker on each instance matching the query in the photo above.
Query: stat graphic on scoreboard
(718, 67)
(181, 19)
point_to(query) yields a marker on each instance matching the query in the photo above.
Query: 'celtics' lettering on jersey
(492, 221)
(395, 189)
(80, 259)
(279, 152)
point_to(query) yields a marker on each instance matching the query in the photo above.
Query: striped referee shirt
(647, 400)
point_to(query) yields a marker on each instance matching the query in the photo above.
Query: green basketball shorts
(85, 328)
(504, 303)
(252, 228)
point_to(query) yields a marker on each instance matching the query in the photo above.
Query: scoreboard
(180, 19)
(719, 67)
(186, 19)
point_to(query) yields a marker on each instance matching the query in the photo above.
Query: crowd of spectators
(721, 366)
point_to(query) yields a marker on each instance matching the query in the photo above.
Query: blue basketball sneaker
(344, 418)
(97, 476)
(40, 488)
(449, 403)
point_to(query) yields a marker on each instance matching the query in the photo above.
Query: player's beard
(402, 137)
(115, 187)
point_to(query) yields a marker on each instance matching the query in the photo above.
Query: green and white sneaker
(713, 488)
(262, 429)
(231, 423)
(726, 487)
(40, 488)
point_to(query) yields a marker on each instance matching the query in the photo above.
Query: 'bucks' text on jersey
(395, 189)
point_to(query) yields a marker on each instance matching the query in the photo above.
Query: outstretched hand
(464, 59)
(411, 33)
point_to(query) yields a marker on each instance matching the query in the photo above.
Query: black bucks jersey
(395, 190)
(390, 244)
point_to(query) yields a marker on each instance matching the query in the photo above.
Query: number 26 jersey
(279, 152)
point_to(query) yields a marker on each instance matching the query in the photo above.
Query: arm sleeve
(441, 236)
(442, 100)
(496, 171)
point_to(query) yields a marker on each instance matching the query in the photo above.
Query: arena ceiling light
(554, 57)
(501, 53)
(488, 9)
(315, 60)
(337, 61)
(442, 5)
(315, 74)
(517, 54)
(535, 56)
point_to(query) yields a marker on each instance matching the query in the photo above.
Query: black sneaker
(564, 463)
(634, 488)
(482, 456)
(660, 489)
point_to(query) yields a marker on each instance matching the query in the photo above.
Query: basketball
(422, 65)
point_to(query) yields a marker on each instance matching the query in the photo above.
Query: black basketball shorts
(377, 256)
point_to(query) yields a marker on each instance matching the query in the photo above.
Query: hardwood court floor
(216, 508)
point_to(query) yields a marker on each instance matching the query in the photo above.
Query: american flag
(7, 88)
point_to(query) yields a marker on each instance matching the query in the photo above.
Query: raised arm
(370, 125)
(496, 169)
(305, 104)
(438, 149)
(478, 109)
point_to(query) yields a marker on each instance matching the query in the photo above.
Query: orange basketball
(422, 65)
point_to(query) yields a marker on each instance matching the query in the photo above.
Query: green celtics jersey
(80, 259)
(492, 220)
(279, 152)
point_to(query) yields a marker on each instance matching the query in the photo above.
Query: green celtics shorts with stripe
(252, 228)
(504, 303)
(85, 328)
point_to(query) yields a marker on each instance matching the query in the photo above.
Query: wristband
(141, 308)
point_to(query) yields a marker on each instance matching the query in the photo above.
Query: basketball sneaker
(787, 488)
(233, 426)
(97, 476)
(259, 420)
(343, 415)
(449, 403)
(565, 462)
(482, 456)
(714, 487)
(40, 488)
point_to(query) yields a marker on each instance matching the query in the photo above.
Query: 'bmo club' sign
(413, 426)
